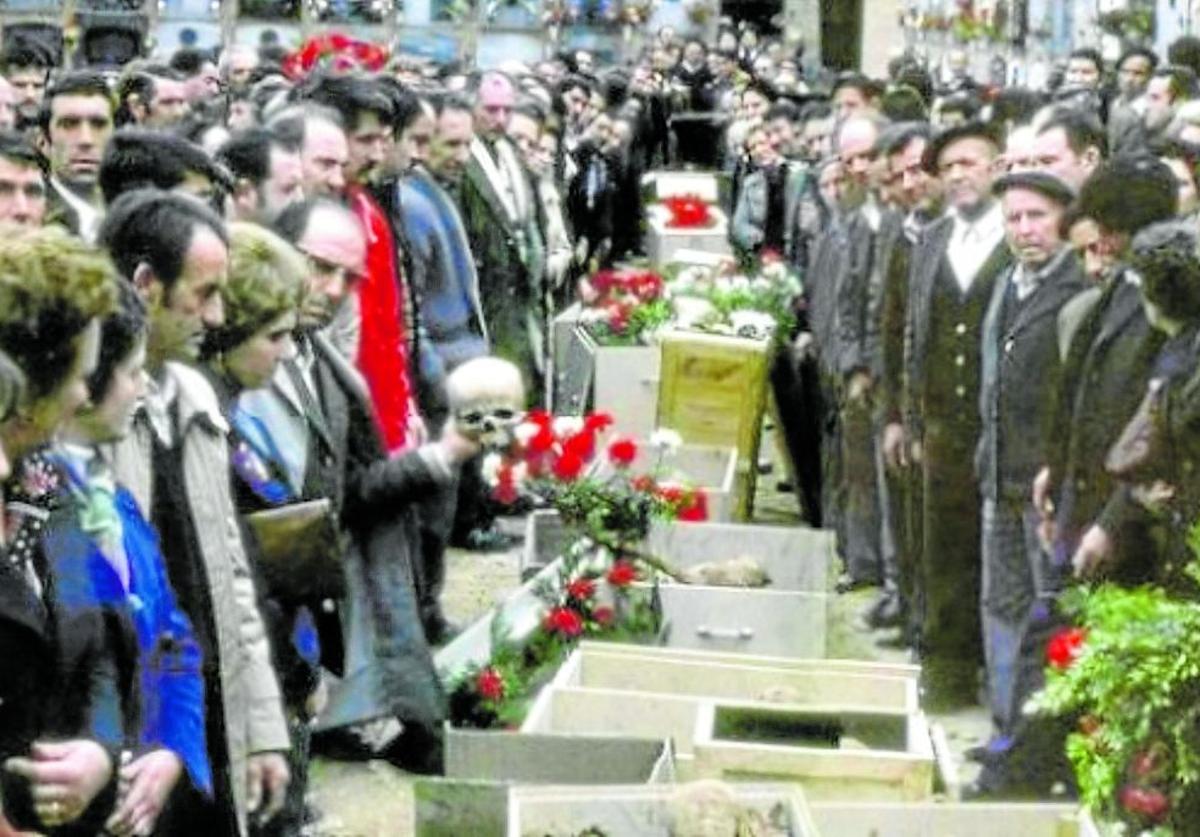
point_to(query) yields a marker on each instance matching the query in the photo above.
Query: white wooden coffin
(711, 468)
(638, 811)
(774, 622)
(662, 241)
(851, 684)
(981, 819)
(878, 755)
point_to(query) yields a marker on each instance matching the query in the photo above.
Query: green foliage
(636, 328)
(1136, 689)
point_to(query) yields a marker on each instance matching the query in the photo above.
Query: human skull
(487, 397)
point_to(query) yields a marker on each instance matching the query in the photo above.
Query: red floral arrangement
(1064, 647)
(688, 212)
(338, 52)
(625, 304)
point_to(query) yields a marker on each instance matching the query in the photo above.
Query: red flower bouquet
(338, 52)
(688, 212)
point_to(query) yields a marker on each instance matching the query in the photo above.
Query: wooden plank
(626, 384)
(547, 758)
(713, 392)
(976, 819)
(573, 364)
(649, 652)
(574, 710)
(816, 686)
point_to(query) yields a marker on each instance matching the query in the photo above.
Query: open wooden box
(834, 752)
(640, 811)
(662, 241)
(482, 766)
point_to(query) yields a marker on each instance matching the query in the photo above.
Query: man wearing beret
(954, 266)
(1020, 369)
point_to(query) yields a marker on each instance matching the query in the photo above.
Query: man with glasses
(317, 412)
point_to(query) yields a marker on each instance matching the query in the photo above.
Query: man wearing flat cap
(1020, 368)
(955, 264)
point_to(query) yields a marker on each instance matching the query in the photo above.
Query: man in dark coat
(317, 411)
(1020, 366)
(954, 266)
(918, 194)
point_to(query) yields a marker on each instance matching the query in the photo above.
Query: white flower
(524, 432)
(567, 425)
(490, 468)
(520, 474)
(775, 270)
(666, 440)
(760, 284)
(739, 283)
(752, 324)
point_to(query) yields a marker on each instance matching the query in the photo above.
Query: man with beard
(26, 64)
(267, 175)
(1167, 89)
(954, 266)
(76, 124)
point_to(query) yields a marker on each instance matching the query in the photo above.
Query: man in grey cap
(1020, 367)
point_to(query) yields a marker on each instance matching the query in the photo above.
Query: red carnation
(1065, 647)
(1145, 802)
(617, 316)
(568, 466)
(506, 491)
(596, 422)
(695, 509)
(581, 589)
(541, 441)
(604, 616)
(582, 444)
(673, 494)
(622, 452)
(489, 684)
(563, 621)
(338, 41)
(622, 574)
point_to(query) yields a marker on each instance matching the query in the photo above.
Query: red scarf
(382, 349)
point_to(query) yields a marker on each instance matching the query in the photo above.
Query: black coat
(1104, 378)
(1021, 368)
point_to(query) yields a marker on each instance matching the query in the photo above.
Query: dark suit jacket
(926, 261)
(860, 294)
(1020, 370)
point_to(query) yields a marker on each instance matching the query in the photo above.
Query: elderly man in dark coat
(317, 413)
(1020, 367)
(954, 267)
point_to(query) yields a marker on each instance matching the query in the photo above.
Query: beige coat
(254, 717)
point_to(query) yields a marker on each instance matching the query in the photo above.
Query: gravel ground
(375, 799)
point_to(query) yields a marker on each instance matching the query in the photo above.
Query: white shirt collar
(89, 216)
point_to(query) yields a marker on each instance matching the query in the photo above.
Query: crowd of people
(230, 299)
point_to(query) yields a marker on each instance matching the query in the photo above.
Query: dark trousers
(474, 507)
(951, 645)
(798, 397)
(862, 519)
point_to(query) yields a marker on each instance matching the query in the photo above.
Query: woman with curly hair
(65, 700)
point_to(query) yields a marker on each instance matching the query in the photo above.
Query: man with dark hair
(199, 72)
(76, 124)
(955, 265)
(1085, 69)
(1185, 51)
(1134, 68)
(267, 174)
(174, 250)
(153, 96)
(324, 151)
(22, 185)
(1107, 368)
(853, 93)
(137, 158)
(319, 414)
(26, 63)
(1070, 145)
